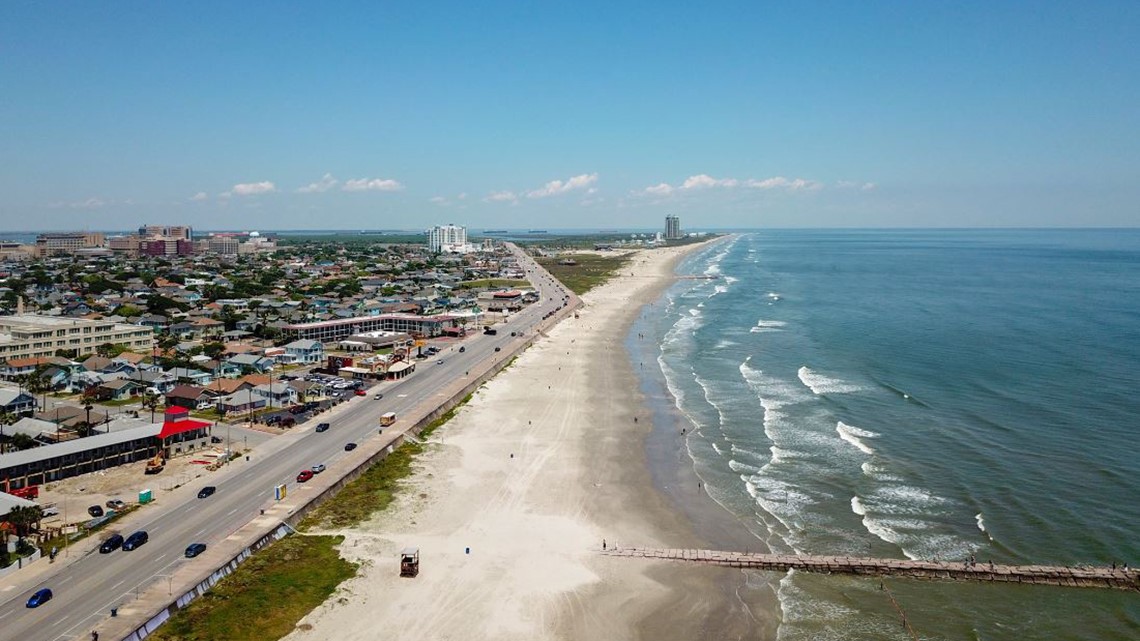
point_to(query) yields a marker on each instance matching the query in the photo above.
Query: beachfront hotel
(448, 238)
(672, 227)
(30, 336)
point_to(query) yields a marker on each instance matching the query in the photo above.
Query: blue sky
(373, 115)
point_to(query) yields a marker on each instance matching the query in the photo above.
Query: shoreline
(512, 502)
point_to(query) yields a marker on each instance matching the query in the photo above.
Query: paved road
(88, 587)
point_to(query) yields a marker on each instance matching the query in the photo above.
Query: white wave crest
(821, 384)
(857, 506)
(763, 326)
(855, 436)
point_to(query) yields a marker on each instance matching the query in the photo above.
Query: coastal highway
(86, 587)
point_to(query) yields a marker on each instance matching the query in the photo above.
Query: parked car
(348, 447)
(215, 439)
(135, 540)
(305, 475)
(194, 549)
(95, 511)
(360, 392)
(207, 491)
(116, 504)
(42, 596)
(318, 468)
(322, 427)
(112, 543)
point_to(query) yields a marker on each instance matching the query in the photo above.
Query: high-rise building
(447, 238)
(672, 228)
(56, 243)
(175, 232)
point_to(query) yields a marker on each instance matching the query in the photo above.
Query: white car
(317, 469)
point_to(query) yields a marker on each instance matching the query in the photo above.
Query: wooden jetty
(1078, 577)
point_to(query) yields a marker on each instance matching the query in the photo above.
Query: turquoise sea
(923, 394)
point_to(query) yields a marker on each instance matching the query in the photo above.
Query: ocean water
(920, 394)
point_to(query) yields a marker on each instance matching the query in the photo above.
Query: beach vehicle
(387, 419)
(409, 562)
(42, 596)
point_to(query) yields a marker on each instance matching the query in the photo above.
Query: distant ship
(536, 231)
(495, 232)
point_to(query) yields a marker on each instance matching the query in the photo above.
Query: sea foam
(821, 384)
(855, 436)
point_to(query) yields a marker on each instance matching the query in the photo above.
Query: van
(135, 540)
(113, 542)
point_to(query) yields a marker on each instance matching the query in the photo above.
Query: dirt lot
(76, 494)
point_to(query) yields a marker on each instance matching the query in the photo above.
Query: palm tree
(25, 519)
(150, 402)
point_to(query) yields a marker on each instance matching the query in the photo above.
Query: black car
(194, 549)
(135, 540)
(95, 511)
(498, 349)
(348, 447)
(207, 491)
(462, 348)
(215, 439)
(113, 542)
(321, 427)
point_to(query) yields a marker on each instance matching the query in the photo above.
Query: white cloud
(556, 187)
(93, 202)
(869, 186)
(252, 189)
(200, 196)
(661, 189)
(502, 197)
(326, 183)
(702, 181)
(372, 184)
(779, 182)
(439, 200)
(852, 184)
(462, 196)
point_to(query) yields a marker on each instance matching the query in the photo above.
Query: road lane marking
(161, 558)
(118, 584)
(231, 511)
(65, 618)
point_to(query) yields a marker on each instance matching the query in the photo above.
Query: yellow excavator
(155, 465)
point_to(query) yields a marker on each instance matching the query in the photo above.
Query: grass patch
(588, 272)
(266, 596)
(370, 492)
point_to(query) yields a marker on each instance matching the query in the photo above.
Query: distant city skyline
(592, 116)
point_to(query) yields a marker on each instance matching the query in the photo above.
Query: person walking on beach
(603, 544)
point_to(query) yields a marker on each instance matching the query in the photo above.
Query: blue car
(42, 596)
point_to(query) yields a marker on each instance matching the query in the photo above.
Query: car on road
(207, 491)
(348, 447)
(514, 334)
(116, 504)
(135, 540)
(498, 349)
(318, 468)
(194, 549)
(95, 511)
(462, 348)
(112, 543)
(378, 397)
(305, 475)
(42, 596)
(322, 427)
(439, 362)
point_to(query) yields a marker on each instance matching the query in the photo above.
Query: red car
(304, 476)
(361, 392)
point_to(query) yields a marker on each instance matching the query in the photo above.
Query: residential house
(306, 351)
(17, 402)
(191, 376)
(239, 403)
(117, 390)
(277, 394)
(191, 397)
(252, 363)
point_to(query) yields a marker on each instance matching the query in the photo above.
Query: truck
(490, 332)
(387, 419)
(155, 465)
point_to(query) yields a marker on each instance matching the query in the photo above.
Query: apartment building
(62, 243)
(29, 336)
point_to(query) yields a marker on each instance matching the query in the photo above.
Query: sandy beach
(543, 464)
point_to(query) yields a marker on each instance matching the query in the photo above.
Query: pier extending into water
(1117, 578)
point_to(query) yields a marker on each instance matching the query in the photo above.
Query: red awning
(177, 427)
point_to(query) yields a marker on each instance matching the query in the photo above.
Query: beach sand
(544, 463)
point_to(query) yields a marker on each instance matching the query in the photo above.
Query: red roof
(170, 428)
